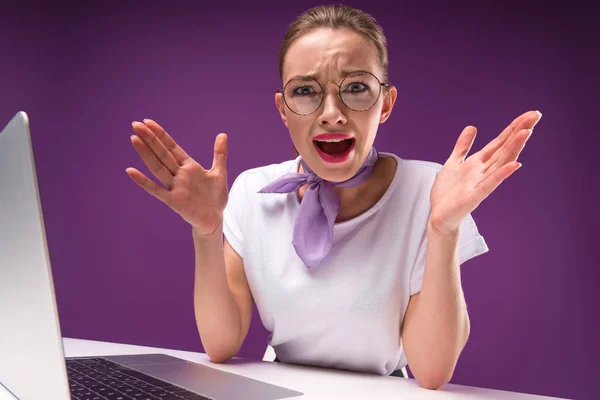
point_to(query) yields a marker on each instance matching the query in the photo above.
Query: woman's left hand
(462, 184)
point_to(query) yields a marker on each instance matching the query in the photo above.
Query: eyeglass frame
(381, 84)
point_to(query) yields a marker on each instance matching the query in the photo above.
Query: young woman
(352, 256)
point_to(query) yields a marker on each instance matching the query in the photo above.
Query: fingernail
(146, 120)
(134, 122)
(131, 137)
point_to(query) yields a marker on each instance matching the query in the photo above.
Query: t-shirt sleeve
(470, 244)
(233, 217)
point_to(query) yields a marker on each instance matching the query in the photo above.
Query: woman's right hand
(198, 195)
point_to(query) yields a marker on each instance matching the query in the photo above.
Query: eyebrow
(315, 76)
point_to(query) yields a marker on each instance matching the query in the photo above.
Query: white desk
(315, 383)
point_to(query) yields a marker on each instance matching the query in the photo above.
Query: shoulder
(408, 197)
(425, 167)
(412, 173)
(254, 179)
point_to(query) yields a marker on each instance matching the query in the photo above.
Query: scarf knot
(313, 228)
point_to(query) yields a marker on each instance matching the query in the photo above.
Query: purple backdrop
(123, 262)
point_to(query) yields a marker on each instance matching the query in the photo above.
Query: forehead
(325, 53)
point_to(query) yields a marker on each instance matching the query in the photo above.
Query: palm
(198, 195)
(462, 184)
(456, 181)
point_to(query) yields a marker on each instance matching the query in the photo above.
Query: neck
(354, 201)
(346, 195)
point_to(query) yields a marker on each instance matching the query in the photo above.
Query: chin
(334, 171)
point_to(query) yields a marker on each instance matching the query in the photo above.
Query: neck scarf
(313, 229)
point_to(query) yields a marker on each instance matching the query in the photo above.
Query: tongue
(335, 148)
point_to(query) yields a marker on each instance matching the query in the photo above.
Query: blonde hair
(337, 16)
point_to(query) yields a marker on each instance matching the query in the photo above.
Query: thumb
(220, 156)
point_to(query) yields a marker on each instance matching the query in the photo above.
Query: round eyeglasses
(359, 91)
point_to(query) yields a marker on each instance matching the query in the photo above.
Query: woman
(351, 256)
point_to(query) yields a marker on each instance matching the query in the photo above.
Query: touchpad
(214, 383)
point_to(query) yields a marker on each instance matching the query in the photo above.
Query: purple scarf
(313, 230)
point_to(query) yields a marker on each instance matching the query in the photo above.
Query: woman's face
(326, 54)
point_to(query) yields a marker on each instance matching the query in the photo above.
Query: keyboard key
(102, 390)
(137, 394)
(166, 396)
(86, 361)
(128, 390)
(139, 385)
(172, 389)
(117, 396)
(86, 382)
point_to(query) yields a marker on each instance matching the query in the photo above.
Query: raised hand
(462, 184)
(198, 195)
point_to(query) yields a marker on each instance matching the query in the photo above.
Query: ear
(388, 103)
(279, 103)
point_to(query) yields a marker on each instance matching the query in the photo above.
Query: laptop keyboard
(100, 379)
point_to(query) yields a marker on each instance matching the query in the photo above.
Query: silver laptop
(32, 362)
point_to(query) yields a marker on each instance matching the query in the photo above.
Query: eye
(356, 87)
(303, 91)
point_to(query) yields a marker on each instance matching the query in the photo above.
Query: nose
(331, 113)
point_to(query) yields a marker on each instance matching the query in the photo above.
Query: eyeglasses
(359, 91)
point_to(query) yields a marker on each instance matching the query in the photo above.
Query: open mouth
(335, 150)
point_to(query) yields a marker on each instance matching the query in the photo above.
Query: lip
(333, 136)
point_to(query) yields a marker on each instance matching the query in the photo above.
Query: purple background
(123, 262)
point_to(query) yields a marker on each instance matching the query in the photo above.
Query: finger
(489, 184)
(180, 155)
(156, 146)
(491, 148)
(499, 154)
(220, 156)
(464, 143)
(509, 152)
(148, 185)
(157, 168)
(525, 120)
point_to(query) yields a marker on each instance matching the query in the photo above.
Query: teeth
(331, 140)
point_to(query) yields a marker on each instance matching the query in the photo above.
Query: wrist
(439, 230)
(202, 233)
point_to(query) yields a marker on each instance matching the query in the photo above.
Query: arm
(222, 297)
(436, 324)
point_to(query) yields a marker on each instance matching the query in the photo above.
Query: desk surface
(315, 383)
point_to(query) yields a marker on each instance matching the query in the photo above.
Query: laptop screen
(32, 362)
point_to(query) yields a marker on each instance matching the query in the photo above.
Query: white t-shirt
(347, 312)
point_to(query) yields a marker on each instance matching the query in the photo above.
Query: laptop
(32, 362)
